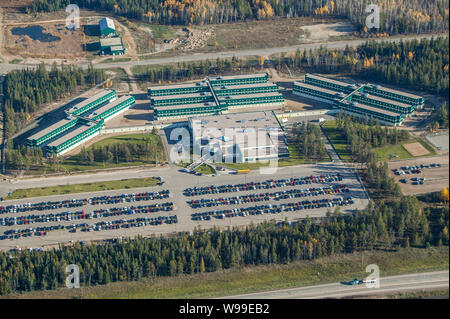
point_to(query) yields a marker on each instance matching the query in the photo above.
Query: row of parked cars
(292, 193)
(273, 209)
(84, 227)
(414, 180)
(129, 197)
(26, 207)
(135, 222)
(43, 218)
(28, 232)
(268, 184)
(141, 209)
(416, 169)
(50, 205)
(68, 216)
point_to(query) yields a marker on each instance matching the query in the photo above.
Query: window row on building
(213, 95)
(82, 122)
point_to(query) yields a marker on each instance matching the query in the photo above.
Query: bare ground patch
(68, 45)
(416, 149)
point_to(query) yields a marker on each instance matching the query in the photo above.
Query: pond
(35, 32)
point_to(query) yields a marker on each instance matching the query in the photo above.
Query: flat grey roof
(49, 129)
(116, 47)
(396, 92)
(106, 107)
(80, 128)
(317, 88)
(374, 97)
(313, 76)
(184, 106)
(243, 86)
(374, 109)
(89, 100)
(242, 76)
(218, 126)
(178, 86)
(181, 96)
(246, 96)
(260, 119)
(108, 42)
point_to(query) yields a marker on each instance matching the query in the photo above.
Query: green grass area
(159, 31)
(15, 61)
(385, 153)
(113, 60)
(118, 71)
(398, 152)
(75, 164)
(260, 278)
(82, 188)
(205, 169)
(337, 138)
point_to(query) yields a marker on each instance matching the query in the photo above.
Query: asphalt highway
(5, 68)
(392, 284)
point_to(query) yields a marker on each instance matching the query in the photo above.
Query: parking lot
(291, 192)
(431, 174)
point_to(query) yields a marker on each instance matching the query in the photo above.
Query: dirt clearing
(319, 32)
(47, 40)
(416, 149)
(436, 178)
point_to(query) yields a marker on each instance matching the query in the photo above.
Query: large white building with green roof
(386, 105)
(82, 122)
(214, 95)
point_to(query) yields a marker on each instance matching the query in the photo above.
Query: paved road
(388, 285)
(4, 68)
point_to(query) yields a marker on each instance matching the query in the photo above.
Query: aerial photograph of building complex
(241, 150)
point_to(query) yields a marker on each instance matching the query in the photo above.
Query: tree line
(25, 91)
(191, 70)
(389, 225)
(362, 137)
(123, 152)
(396, 16)
(307, 138)
(422, 65)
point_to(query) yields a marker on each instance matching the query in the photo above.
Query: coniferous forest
(396, 17)
(26, 91)
(388, 225)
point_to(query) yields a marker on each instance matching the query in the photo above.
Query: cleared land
(83, 188)
(400, 151)
(385, 153)
(436, 178)
(262, 278)
(416, 149)
(67, 43)
(75, 164)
